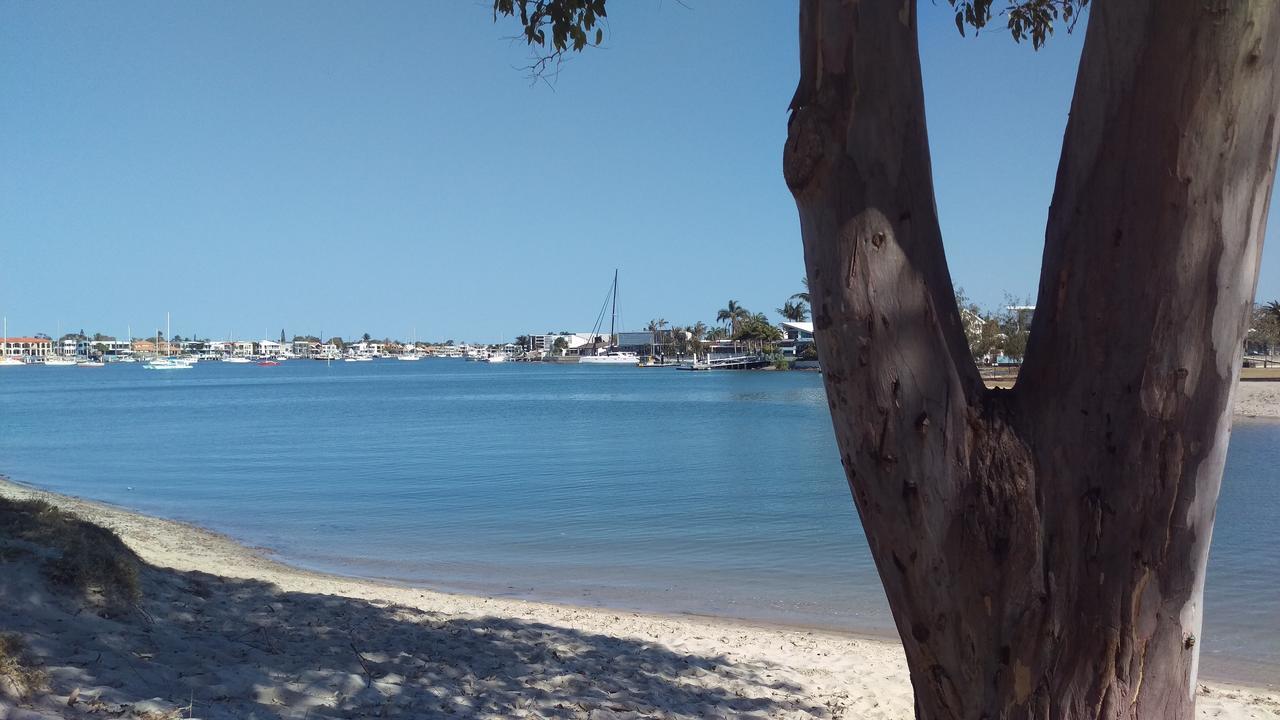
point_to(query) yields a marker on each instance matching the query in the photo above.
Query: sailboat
(56, 359)
(609, 356)
(413, 353)
(233, 357)
(169, 362)
(7, 360)
(128, 358)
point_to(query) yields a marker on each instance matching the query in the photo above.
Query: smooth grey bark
(1043, 549)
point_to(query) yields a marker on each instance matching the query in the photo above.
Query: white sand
(1259, 398)
(236, 636)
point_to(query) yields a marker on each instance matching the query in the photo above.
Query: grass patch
(17, 669)
(88, 558)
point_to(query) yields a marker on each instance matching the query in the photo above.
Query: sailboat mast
(613, 317)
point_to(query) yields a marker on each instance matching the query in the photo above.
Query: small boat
(649, 361)
(611, 358)
(237, 359)
(167, 363)
(90, 363)
(737, 362)
(59, 361)
(268, 363)
(496, 358)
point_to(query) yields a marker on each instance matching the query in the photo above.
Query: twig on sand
(363, 664)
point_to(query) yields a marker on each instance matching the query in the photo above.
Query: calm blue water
(716, 493)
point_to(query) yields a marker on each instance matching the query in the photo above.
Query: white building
(106, 347)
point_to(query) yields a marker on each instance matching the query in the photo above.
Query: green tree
(731, 314)
(697, 337)
(803, 296)
(794, 311)
(1263, 337)
(1043, 548)
(561, 346)
(680, 341)
(757, 330)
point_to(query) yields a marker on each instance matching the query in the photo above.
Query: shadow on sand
(242, 648)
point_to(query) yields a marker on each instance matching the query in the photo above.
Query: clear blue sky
(353, 167)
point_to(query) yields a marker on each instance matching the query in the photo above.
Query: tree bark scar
(803, 151)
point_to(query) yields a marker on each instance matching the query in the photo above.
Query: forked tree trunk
(1043, 549)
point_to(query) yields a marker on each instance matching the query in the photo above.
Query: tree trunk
(1043, 549)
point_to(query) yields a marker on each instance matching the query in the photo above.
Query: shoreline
(1257, 398)
(810, 672)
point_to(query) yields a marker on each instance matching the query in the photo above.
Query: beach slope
(223, 632)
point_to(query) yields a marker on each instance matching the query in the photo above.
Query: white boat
(7, 360)
(59, 361)
(237, 359)
(608, 355)
(736, 362)
(413, 354)
(167, 363)
(611, 358)
(171, 362)
(496, 358)
(90, 363)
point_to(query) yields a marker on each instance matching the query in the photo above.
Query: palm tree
(656, 325)
(697, 334)
(728, 313)
(733, 313)
(794, 311)
(803, 296)
(1273, 309)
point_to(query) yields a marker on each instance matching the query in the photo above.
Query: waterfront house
(26, 347)
(104, 346)
(306, 348)
(796, 337)
(145, 347)
(268, 347)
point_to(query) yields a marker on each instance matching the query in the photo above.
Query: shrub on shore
(18, 675)
(85, 557)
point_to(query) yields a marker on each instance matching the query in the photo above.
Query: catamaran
(609, 355)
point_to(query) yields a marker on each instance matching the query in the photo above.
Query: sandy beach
(1259, 398)
(223, 632)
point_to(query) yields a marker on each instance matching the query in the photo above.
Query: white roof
(801, 326)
